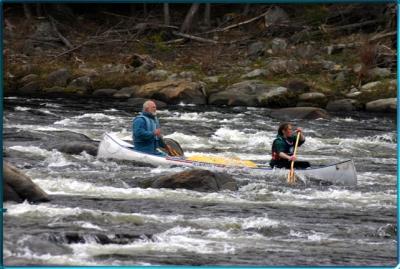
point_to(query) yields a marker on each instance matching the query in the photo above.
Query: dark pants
(286, 164)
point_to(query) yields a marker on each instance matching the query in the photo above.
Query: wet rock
(10, 194)
(342, 105)
(104, 92)
(174, 92)
(244, 93)
(33, 87)
(138, 102)
(290, 113)
(256, 49)
(59, 77)
(21, 185)
(75, 147)
(256, 73)
(28, 79)
(197, 180)
(388, 105)
(126, 92)
(387, 231)
(84, 82)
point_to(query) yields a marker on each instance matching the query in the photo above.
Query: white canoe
(111, 147)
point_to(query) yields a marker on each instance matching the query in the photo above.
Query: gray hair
(146, 104)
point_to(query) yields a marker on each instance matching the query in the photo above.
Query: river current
(99, 216)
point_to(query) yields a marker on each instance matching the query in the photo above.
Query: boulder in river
(104, 92)
(28, 78)
(342, 105)
(382, 105)
(32, 87)
(197, 180)
(19, 187)
(76, 147)
(309, 113)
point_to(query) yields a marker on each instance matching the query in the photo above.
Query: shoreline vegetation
(333, 57)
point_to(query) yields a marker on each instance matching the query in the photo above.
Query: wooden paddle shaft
(291, 174)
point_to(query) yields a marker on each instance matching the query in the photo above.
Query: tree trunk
(27, 11)
(167, 18)
(207, 15)
(145, 10)
(187, 23)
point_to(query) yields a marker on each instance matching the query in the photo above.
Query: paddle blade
(173, 148)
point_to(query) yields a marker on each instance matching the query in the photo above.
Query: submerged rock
(309, 113)
(104, 92)
(195, 179)
(75, 147)
(19, 187)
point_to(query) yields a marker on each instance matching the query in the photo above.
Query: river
(98, 215)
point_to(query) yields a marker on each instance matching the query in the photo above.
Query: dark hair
(282, 127)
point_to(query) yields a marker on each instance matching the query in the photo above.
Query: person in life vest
(146, 130)
(283, 147)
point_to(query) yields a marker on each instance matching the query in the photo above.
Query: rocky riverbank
(329, 68)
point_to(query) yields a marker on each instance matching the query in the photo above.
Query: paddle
(291, 178)
(171, 151)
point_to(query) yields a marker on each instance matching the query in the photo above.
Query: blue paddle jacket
(143, 127)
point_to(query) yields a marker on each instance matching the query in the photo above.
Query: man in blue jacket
(146, 130)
